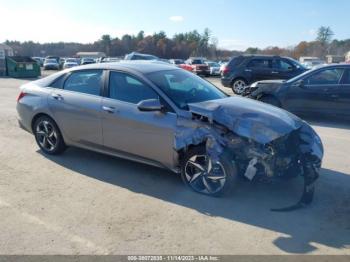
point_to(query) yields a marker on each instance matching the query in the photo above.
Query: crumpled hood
(255, 120)
(263, 85)
(269, 82)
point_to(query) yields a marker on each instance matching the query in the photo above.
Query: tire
(194, 173)
(48, 136)
(270, 100)
(238, 86)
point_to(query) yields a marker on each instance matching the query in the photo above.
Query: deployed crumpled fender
(220, 123)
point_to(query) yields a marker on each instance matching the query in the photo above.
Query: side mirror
(301, 84)
(150, 105)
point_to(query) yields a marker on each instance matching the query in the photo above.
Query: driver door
(148, 135)
(317, 94)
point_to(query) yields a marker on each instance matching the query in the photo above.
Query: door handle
(108, 109)
(57, 96)
(274, 72)
(248, 70)
(334, 96)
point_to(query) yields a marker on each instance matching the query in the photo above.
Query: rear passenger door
(148, 135)
(259, 69)
(76, 106)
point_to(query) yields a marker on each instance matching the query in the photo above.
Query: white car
(70, 62)
(313, 64)
(109, 60)
(214, 68)
(51, 63)
(222, 67)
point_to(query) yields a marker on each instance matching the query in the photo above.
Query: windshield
(300, 76)
(50, 61)
(296, 63)
(197, 62)
(143, 57)
(71, 60)
(213, 64)
(183, 87)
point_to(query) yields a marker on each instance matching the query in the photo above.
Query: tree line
(323, 45)
(181, 45)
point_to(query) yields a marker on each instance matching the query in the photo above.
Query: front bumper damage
(264, 141)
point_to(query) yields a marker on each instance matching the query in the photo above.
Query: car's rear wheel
(48, 136)
(238, 86)
(270, 100)
(202, 175)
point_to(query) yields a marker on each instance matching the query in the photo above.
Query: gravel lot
(87, 203)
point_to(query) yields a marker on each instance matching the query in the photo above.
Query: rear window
(197, 62)
(235, 61)
(260, 63)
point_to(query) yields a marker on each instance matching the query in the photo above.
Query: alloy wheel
(46, 135)
(203, 175)
(239, 86)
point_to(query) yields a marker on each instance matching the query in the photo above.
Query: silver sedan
(164, 116)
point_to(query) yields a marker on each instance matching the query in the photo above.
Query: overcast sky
(237, 24)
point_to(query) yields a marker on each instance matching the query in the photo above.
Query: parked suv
(246, 69)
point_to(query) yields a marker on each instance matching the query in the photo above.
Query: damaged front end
(264, 141)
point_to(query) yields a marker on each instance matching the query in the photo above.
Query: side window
(346, 79)
(58, 82)
(284, 65)
(127, 88)
(326, 77)
(259, 63)
(87, 82)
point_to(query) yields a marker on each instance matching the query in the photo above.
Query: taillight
(225, 70)
(20, 96)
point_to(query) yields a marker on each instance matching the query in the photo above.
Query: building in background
(5, 51)
(90, 54)
(347, 57)
(331, 59)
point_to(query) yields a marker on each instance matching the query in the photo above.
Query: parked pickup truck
(196, 65)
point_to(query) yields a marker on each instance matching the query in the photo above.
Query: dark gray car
(164, 116)
(324, 90)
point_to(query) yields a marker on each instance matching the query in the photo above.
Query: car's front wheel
(48, 136)
(205, 176)
(238, 86)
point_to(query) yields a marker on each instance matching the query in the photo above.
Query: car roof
(263, 56)
(342, 65)
(140, 66)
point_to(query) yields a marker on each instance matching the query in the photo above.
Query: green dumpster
(22, 66)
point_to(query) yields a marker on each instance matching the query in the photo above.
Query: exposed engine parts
(259, 147)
